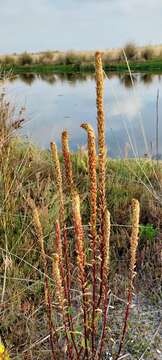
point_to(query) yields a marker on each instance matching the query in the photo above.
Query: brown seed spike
(100, 125)
(56, 162)
(58, 280)
(58, 242)
(135, 232)
(58, 179)
(67, 159)
(37, 226)
(101, 158)
(79, 237)
(78, 229)
(93, 197)
(92, 174)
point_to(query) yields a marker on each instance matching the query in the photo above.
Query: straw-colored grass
(134, 53)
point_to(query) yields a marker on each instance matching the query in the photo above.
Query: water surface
(56, 102)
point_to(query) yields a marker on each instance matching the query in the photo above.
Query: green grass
(33, 170)
(149, 65)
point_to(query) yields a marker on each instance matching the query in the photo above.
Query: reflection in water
(126, 80)
(51, 78)
(75, 78)
(28, 78)
(58, 101)
(146, 78)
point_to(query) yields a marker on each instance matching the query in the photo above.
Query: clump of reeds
(46, 58)
(148, 53)
(25, 59)
(81, 275)
(130, 50)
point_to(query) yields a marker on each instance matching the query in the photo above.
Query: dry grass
(76, 279)
(134, 53)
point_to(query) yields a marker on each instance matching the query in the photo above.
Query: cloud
(129, 107)
(77, 24)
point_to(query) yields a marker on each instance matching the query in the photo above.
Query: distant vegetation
(85, 59)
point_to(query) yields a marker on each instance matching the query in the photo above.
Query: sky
(35, 25)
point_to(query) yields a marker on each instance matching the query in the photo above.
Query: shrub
(86, 57)
(48, 55)
(107, 57)
(25, 59)
(120, 56)
(72, 58)
(59, 59)
(46, 58)
(130, 50)
(8, 60)
(147, 232)
(147, 53)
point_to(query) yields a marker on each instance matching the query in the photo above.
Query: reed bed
(133, 52)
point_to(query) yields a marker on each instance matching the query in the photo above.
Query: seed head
(58, 280)
(67, 159)
(58, 179)
(135, 232)
(78, 229)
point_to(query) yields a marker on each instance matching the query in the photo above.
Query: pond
(55, 102)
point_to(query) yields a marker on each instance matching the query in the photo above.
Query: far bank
(154, 66)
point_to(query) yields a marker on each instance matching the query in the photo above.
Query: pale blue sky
(35, 25)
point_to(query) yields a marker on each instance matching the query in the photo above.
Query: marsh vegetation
(140, 58)
(72, 238)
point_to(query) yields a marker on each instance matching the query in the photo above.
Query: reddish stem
(127, 311)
